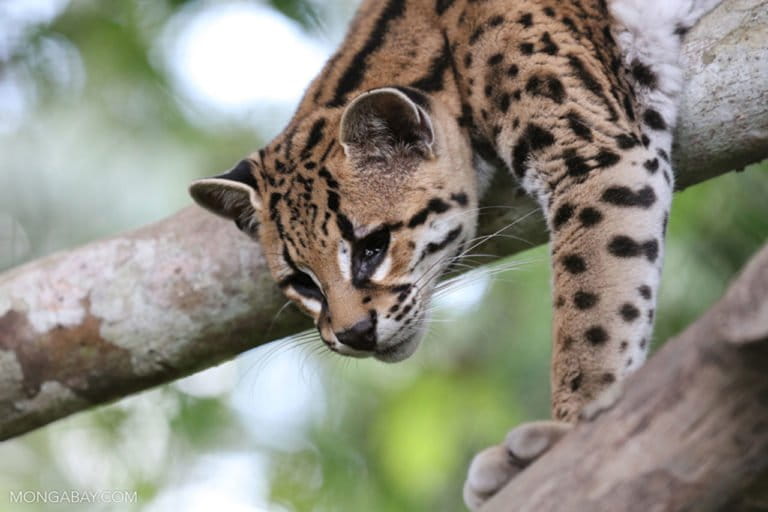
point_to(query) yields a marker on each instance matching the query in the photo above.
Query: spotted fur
(372, 187)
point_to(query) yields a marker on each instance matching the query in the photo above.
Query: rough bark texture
(120, 315)
(689, 433)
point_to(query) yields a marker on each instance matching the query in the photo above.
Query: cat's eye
(368, 254)
(374, 245)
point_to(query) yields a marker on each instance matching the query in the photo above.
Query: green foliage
(201, 421)
(300, 10)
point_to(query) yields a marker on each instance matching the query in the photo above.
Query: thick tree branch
(120, 315)
(689, 433)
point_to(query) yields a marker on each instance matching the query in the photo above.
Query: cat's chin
(405, 344)
(397, 348)
(402, 348)
(399, 351)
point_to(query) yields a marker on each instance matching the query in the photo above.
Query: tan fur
(537, 85)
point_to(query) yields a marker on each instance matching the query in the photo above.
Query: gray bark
(689, 433)
(120, 315)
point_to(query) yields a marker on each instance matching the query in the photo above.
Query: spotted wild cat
(372, 188)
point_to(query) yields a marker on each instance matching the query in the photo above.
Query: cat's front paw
(492, 468)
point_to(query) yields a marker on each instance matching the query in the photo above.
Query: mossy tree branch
(689, 433)
(121, 315)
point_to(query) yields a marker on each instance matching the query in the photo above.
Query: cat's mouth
(400, 345)
(390, 354)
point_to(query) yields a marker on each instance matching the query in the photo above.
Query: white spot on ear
(383, 270)
(345, 259)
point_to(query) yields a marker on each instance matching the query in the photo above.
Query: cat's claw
(492, 468)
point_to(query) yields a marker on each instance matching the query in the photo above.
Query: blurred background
(108, 110)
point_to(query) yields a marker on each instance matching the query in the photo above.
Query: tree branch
(124, 314)
(689, 433)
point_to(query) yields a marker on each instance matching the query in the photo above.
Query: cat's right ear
(233, 195)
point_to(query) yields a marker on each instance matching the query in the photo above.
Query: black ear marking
(233, 195)
(384, 123)
(242, 173)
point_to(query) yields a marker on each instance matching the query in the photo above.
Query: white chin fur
(350, 352)
(399, 352)
(403, 348)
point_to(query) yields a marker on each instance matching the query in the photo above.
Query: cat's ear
(387, 122)
(233, 195)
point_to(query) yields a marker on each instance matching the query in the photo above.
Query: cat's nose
(361, 336)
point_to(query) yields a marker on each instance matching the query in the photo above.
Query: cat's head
(358, 210)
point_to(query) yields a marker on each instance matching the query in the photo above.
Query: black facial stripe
(452, 235)
(333, 201)
(346, 227)
(302, 284)
(326, 175)
(460, 198)
(407, 309)
(315, 136)
(435, 205)
(288, 260)
(400, 289)
(300, 281)
(327, 151)
(434, 247)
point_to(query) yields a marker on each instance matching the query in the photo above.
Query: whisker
(280, 347)
(477, 273)
(483, 238)
(479, 209)
(436, 269)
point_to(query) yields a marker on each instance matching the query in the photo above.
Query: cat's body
(373, 187)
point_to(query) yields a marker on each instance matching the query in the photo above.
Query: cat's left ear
(386, 122)
(233, 195)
